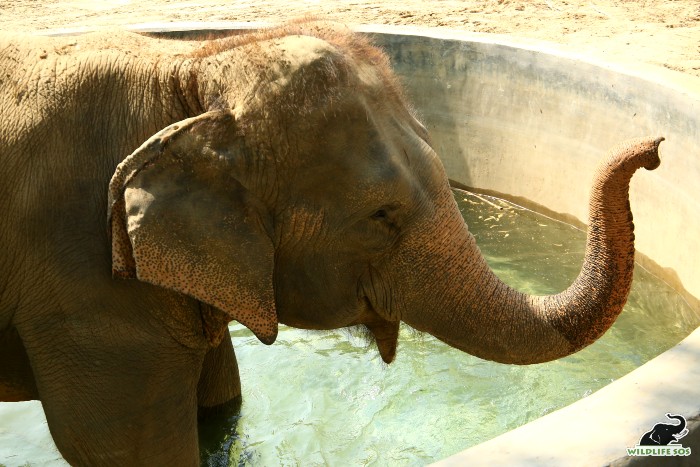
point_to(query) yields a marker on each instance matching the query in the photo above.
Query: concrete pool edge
(598, 429)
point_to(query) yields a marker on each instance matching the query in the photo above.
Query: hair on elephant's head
(307, 193)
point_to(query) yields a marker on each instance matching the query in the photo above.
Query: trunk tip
(655, 160)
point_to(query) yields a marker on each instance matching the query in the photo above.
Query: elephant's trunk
(471, 309)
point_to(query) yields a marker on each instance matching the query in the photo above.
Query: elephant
(664, 434)
(154, 190)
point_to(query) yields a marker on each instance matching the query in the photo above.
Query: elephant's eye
(380, 214)
(386, 214)
(379, 230)
(385, 218)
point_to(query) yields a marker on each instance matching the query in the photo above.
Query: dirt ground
(660, 32)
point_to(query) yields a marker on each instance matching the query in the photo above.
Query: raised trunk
(485, 317)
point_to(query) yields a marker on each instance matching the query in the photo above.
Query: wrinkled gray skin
(153, 191)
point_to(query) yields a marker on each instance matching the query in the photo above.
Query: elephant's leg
(16, 377)
(219, 388)
(116, 393)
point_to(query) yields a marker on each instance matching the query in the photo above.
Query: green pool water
(327, 399)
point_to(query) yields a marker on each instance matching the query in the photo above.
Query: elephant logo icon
(664, 434)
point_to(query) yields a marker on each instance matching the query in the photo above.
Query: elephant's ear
(180, 218)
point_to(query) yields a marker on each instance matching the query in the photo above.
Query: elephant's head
(309, 194)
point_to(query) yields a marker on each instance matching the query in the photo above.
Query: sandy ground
(661, 32)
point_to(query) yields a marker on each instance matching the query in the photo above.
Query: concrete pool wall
(532, 121)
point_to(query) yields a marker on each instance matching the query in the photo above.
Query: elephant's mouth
(386, 333)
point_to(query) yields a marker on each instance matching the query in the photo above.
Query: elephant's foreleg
(116, 394)
(219, 388)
